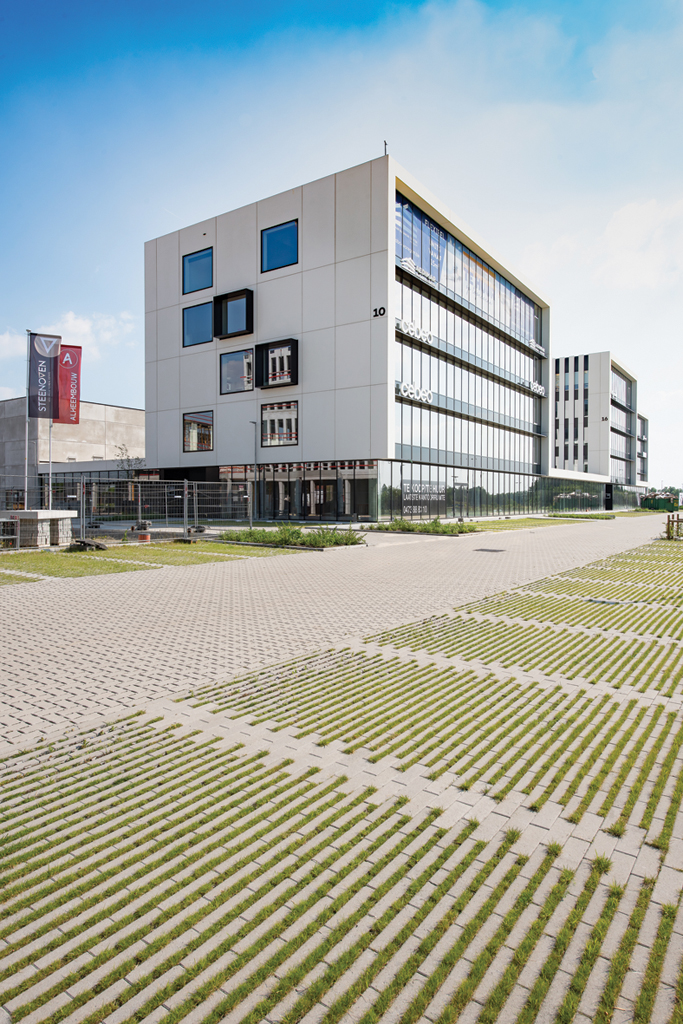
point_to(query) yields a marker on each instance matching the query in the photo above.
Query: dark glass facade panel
(198, 431)
(622, 389)
(280, 246)
(197, 271)
(459, 388)
(237, 371)
(447, 264)
(197, 324)
(279, 424)
(621, 420)
(437, 323)
(427, 435)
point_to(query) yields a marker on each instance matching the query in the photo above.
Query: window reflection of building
(279, 424)
(237, 371)
(198, 431)
(280, 364)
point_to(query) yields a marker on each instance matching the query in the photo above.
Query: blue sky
(554, 129)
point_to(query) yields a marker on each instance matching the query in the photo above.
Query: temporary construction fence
(161, 502)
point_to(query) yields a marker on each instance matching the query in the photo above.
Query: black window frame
(190, 291)
(233, 352)
(200, 412)
(272, 227)
(195, 343)
(261, 364)
(218, 301)
(284, 444)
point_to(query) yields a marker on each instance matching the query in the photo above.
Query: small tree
(126, 461)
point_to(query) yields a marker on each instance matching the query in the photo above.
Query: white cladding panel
(325, 301)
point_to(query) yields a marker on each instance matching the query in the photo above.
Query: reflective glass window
(237, 371)
(280, 246)
(279, 424)
(279, 367)
(235, 315)
(198, 432)
(197, 271)
(197, 324)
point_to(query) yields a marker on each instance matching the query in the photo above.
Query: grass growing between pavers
(153, 873)
(122, 558)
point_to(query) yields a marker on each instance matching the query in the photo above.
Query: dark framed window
(277, 363)
(198, 431)
(280, 246)
(233, 314)
(197, 325)
(197, 270)
(237, 371)
(279, 424)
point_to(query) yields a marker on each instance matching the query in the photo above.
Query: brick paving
(138, 641)
(94, 645)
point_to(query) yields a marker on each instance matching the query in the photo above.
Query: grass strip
(617, 828)
(662, 778)
(218, 874)
(409, 968)
(551, 966)
(622, 958)
(591, 952)
(440, 974)
(265, 970)
(497, 998)
(466, 989)
(345, 1001)
(648, 992)
(141, 983)
(607, 765)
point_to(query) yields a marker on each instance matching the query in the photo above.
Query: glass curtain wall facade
(468, 378)
(622, 433)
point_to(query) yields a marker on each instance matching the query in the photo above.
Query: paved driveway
(76, 647)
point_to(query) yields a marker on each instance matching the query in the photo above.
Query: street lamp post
(253, 493)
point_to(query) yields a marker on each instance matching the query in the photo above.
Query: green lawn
(124, 558)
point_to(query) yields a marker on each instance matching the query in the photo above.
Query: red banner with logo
(69, 384)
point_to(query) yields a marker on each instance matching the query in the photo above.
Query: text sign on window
(423, 499)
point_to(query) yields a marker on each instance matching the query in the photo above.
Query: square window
(198, 431)
(277, 363)
(197, 271)
(280, 246)
(233, 314)
(197, 324)
(279, 424)
(236, 371)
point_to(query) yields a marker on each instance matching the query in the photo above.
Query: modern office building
(597, 427)
(361, 348)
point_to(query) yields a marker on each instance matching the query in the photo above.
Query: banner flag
(69, 384)
(43, 377)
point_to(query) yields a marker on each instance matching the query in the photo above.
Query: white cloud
(12, 345)
(97, 333)
(6, 393)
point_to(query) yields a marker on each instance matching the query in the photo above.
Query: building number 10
(379, 312)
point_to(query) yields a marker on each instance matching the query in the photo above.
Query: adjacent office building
(92, 446)
(359, 350)
(597, 425)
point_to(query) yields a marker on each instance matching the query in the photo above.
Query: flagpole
(28, 363)
(49, 476)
